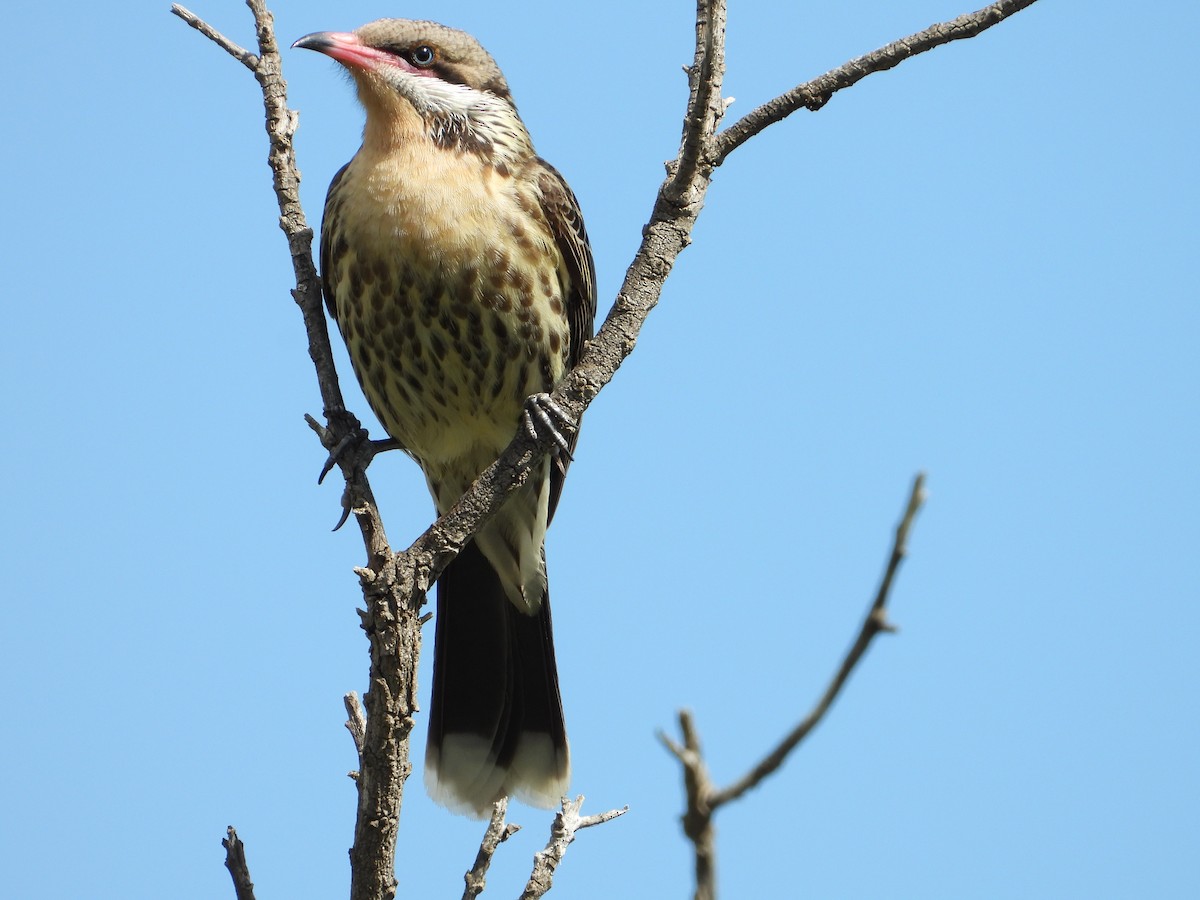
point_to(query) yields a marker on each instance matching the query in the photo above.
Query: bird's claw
(345, 516)
(335, 453)
(366, 450)
(353, 447)
(542, 415)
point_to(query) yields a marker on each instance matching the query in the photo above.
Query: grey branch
(873, 623)
(497, 833)
(235, 862)
(566, 823)
(703, 799)
(816, 93)
(705, 106)
(241, 54)
(391, 619)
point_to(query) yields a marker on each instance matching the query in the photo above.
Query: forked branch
(703, 797)
(813, 95)
(562, 833)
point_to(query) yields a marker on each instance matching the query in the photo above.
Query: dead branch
(566, 823)
(496, 834)
(235, 862)
(703, 798)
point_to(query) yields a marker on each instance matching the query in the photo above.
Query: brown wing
(327, 248)
(566, 223)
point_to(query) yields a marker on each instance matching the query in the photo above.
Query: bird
(457, 267)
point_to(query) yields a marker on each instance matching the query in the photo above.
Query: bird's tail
(495, 720)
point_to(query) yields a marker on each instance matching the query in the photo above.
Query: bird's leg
(542, 417)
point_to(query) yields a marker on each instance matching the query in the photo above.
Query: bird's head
(431, 77)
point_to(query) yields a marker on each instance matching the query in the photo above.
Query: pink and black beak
(345, 47)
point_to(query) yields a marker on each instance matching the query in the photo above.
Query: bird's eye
(423, 56)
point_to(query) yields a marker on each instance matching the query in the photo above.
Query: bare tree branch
(235, 862)
(281, 123)
(697, 819)
(391, 619)
(562, 832)
(495, 835)
(703, 799)
(873, 623)
(241, 54)
(705, 106)
(816, 93)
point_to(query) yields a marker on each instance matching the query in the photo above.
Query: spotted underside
(448, 345)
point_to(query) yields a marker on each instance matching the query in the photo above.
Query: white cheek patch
(458, 109)
(432, 95)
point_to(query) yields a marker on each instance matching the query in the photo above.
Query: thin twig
(235, 862)
(815, 94)
(873, 623)
(562, 832)
(241, 54)
(495, 835)
(703, 798)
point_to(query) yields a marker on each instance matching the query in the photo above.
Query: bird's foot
(363, 450)
(348, 444)
(355, 445)
(543, 417)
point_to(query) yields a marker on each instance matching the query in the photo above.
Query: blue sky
(981, 265)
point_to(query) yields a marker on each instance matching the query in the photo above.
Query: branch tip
(235, 862)
(813, 95)
(241, 54)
